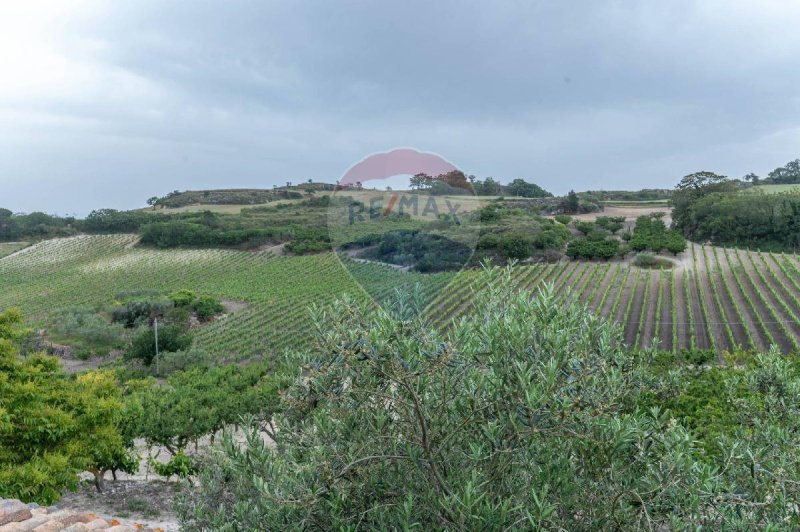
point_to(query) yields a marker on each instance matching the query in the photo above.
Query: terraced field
(716, 299)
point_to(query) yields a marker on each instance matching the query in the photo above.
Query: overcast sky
(104, 104)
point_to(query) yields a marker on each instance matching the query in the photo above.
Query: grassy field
(7, 248)
(712, 299)
(775, 189)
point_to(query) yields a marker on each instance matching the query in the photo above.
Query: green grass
(775, 189)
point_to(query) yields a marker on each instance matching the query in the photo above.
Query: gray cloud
(159, 96)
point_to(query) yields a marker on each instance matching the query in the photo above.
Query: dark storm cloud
(570, 94)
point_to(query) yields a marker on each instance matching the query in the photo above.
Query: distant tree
(421, 181)
(522, 188)
(152, 201)
(785, 175)
(488, 187)
(752, 178)
(690, 189)
(571, 204)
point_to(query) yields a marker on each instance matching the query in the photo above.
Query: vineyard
(719, 299)
(716, 298)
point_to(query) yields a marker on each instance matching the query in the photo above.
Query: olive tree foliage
(524, 415)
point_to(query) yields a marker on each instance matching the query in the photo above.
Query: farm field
(7, 248)
(715, 298)
(776, 189)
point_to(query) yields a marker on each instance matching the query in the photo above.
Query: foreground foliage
(53, 426)
(525, 415)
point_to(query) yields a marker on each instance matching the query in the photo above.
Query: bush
(170, 339)
(516, 246)
(84, 325)
(647, 260)
(593, 248)
(207, 307)
(171, 362)
(584, 227)
(564, 219)
(140, 311)
(183, 297)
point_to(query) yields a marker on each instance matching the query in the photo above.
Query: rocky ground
(17, 516)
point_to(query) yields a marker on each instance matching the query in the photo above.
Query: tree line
(708, 207)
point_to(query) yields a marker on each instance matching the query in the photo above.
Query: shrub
(85, 325)
(513, 417)
(140, 311)
(647, 260)
(516, 246)
(183, 360)
(207, 307)
(584, 227)
(183, 297)
(170, 338)
(564, 219)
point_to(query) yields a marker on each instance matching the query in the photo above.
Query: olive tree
(522, 415)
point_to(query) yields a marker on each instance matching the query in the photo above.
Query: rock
(77, 527)
(50, 526)
(29, 523)
(16, 516)
(76, 518)
(11, 505)
(97, 524)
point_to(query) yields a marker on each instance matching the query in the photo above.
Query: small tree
(52, 426)
(514, 418)
(571, 204)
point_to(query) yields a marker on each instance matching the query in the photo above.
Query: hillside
(713, 299)
(238, 196)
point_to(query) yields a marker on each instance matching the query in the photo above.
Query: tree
(571, 204)
(752, 178)
(489, 187)
(421, 182)
(52, 426)
(201, 401)
(584, 227)
(171, 338)
(521, 188)
(153, 201)
(690, 189)
(788, 174)
(513, 417)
